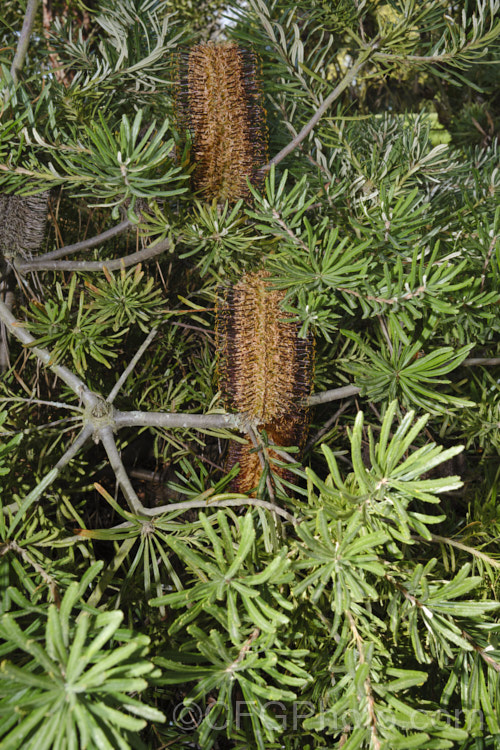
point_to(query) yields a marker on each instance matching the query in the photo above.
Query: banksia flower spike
(22, 223)
(265, 369)
(219, 101)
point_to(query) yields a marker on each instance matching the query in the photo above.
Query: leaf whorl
(219, 100)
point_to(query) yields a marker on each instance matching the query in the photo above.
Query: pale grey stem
(97, 239)
(17, 330)
(24, 39)
(130, 366)
(23, 266)
(183, 421)
(288, 457)
(214, 421)
(73, 449)
(4, 349)
(473, 361)
(334, 395)
(8, 296)
(108, 441)
(490, 661)
(54, 473)
(51, 425)
(459, 545)
(81, 439)
(40, 401)
(146, 475)
(415, 59)
(344, 83)
(229, 503)
(331, 421)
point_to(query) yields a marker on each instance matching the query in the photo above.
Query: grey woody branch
(309, 126)
(99, 265)
(97, 239)
(24, 39)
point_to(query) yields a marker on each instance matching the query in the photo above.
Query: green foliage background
(143, 604)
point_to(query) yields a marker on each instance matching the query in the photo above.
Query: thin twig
(7, 296)
(21, 334)
(24, 266)
(314, 439)
(282, 223)
(48, 426)
(222, 503)
(243, 651)
(334, 395)
(385, 333)
(417, 603)
(98, 239)
(130, 366)
(263, 456)
(481, 651)
(73, 449)
(147, 475)
(108, 441)
(54, 473)
(57, 67)
(488, 258)
(473, 361)
(415, 59)
(344, 83)
(375, 741)
(459, 545)
(205, 331)
(24, 39)
(385, 300)
(33, 173)
(40, 402)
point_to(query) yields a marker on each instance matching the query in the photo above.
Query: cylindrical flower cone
(219, 100)
(265, 370)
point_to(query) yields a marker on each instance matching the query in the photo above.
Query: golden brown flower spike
(265, 369)
(220, 101)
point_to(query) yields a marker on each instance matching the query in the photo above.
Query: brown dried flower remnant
(22, 223)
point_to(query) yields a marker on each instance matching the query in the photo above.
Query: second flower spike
(265, 370)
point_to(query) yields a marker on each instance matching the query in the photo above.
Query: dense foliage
(352, 601)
